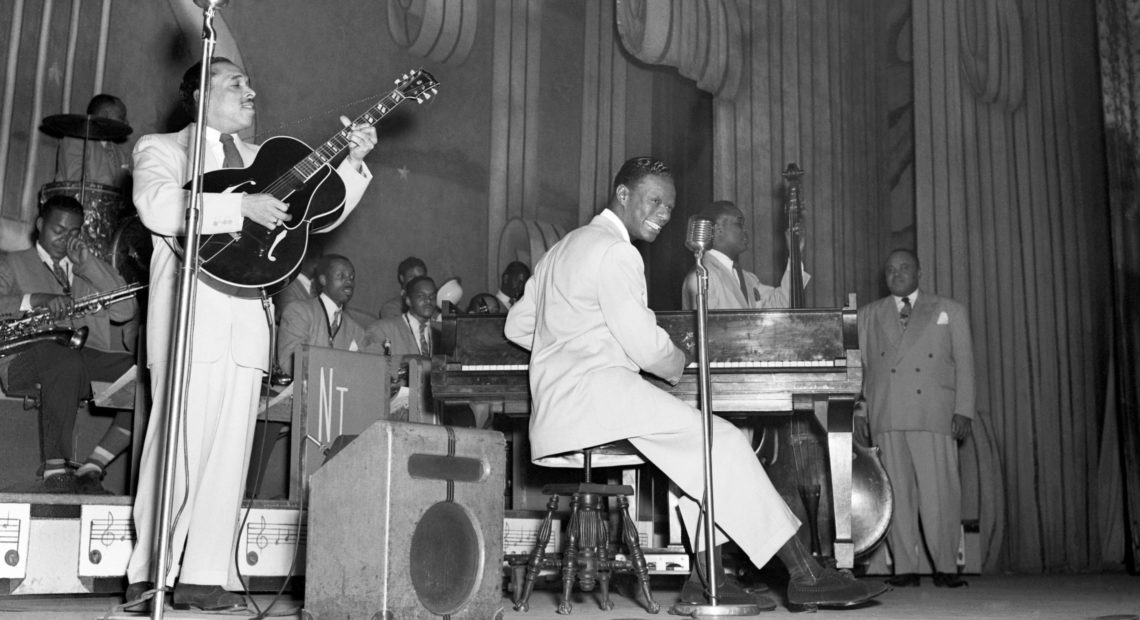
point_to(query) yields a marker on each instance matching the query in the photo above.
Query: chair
(589, 557)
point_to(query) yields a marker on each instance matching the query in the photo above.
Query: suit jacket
(304, 322)
(221, 322)
(725, 293)
(393, 308)
(917, 379)
(23, 272)
(399, 334)
(585, 319)
(296, 291)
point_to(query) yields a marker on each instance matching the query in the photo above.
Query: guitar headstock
(417, 84)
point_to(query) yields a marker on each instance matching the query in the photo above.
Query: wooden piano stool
(589, 557)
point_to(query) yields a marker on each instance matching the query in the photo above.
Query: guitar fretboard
(330, 149)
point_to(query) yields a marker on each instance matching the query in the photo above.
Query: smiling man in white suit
(229, 348)
(918, 386)
(585, 319)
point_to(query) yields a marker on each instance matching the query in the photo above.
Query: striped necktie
(61, 276)
(425, 347)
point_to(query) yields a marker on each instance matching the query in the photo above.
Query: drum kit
(111, 226)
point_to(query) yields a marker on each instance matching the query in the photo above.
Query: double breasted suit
(228, 354)
(585, 319)
(915, 379)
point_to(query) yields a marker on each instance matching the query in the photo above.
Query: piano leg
(838, 412)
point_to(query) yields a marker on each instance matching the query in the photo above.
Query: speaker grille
(446, 558)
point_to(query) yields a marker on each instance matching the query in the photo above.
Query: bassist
(229, 346)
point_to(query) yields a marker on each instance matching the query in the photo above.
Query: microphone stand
(179, 371)
(713, 608)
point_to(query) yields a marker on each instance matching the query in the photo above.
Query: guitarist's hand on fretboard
(360, 142)
(265, 210)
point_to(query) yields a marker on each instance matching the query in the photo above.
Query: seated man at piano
(47, 279)
(585, 319)
(730, 286)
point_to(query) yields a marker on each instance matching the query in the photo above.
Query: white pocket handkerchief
(943, 318)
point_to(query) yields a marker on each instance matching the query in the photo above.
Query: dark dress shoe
(833, 589)
(134, 598)
(949, 580)
(727, 593)
(905, 580)
(206, 598)
(91, 484)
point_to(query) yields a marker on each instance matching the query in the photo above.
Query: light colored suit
(724, 289)
(914, 381)
(393, 308)
(229, 352)
(305, 322)
(585, 320)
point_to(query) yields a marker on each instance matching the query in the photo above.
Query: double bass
(794, 450)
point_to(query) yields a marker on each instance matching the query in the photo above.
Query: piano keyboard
(840, 363)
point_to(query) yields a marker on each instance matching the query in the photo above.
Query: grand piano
(763, 362)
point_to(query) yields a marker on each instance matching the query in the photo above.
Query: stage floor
(1068, 597)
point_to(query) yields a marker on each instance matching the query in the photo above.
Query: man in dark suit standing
(918, 385)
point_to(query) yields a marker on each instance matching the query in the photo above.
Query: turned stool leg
(570, 556)
(605, 562)
(629, 530)
(534, 565)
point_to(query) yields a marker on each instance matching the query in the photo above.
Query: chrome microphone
(208, 4)
(699, 234)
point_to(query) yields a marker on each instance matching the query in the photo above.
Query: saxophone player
(50, 275)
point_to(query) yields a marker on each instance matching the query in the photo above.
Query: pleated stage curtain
(1011, 219)
(1119, 29)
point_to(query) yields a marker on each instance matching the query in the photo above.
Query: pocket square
(943, 318)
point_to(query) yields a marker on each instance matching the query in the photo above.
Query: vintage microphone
(698, 240)
(179, 372)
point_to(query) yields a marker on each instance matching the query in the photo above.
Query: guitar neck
(323, 154)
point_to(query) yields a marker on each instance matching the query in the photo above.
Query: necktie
(61, 276)
(425, 347)
(232, 158)
(740, 279)
(335, 325)
(904, 312)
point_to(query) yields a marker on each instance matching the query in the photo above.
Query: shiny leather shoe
(206, 598)
(833, 589)
(91, 484)
(135, 602)
(949, 580)
(728, 593)
(904, 580)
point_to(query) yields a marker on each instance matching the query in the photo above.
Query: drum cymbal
(86, 127)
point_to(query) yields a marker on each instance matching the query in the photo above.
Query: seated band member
(484, 303)
(302, 288)
(408, 269)
(730, 286)
(512, 283)
(50, 275)
(585, 320)
(323, 320)
(411, 332)
(107, 163)
(228, 352)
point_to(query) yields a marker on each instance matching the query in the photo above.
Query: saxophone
(42, 326)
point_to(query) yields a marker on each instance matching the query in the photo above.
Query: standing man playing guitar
(229, 348)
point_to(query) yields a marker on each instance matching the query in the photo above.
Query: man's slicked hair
(637, 168)
(190, 82)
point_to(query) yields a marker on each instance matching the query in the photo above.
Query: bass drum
(104, 210)
(131, 247)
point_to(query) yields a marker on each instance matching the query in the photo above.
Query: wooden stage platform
(1111, 596)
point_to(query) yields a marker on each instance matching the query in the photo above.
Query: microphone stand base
(704, 610)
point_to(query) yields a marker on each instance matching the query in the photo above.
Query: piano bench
(589, 558)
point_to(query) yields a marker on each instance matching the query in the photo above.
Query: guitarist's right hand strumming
(265, 210)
